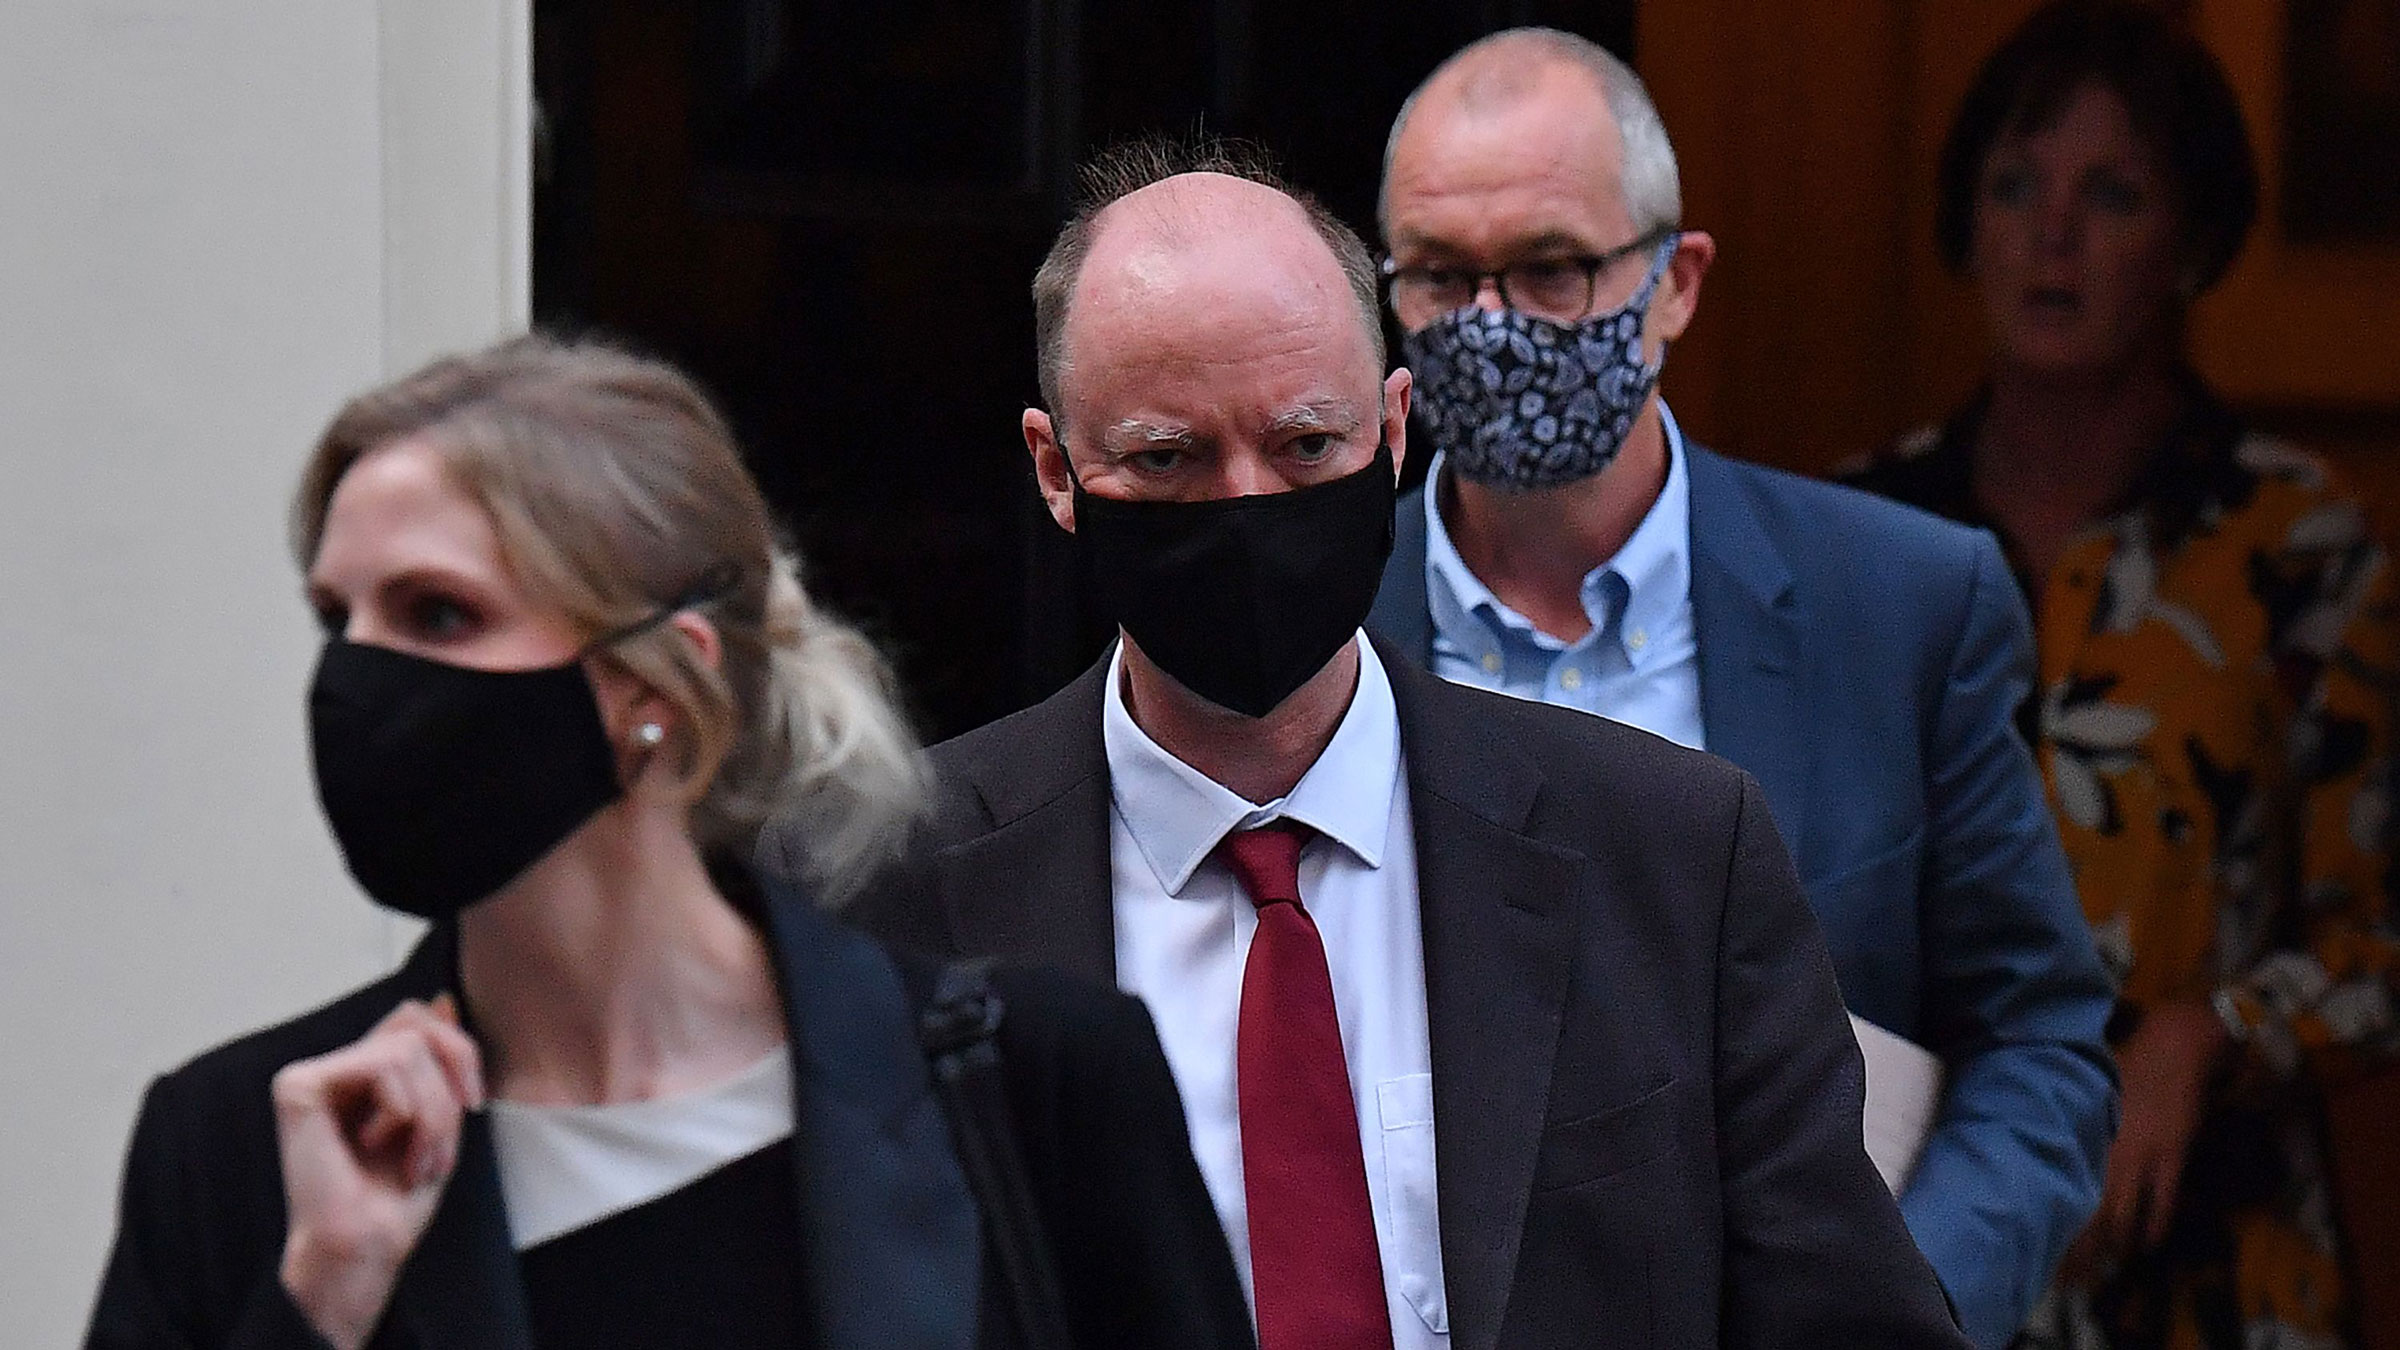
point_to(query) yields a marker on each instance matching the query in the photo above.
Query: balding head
(1206, 333)
(1168, 197)
(1498, 74)
(1206, 267)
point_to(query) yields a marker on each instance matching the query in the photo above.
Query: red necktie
(1313, 1263)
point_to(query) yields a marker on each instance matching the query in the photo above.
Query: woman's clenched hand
(369, 1135)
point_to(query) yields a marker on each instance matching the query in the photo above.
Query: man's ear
(1679, 292)
(1051, 468)
(1397, 389)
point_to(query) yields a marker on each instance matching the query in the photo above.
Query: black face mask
(1241, 599)
(443, 783)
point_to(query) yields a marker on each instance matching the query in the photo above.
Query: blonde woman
(625, 1093)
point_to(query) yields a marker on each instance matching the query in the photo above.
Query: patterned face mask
(1519, 401)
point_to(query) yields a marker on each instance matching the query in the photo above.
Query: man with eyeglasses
(1864, 662)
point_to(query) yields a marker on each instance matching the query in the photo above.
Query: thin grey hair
(1126, 168)
(1652, 185)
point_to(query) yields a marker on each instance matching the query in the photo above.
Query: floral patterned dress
(2219, 661)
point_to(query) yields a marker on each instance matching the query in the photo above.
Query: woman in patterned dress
(2218, 660)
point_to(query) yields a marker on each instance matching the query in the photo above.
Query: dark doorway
(831, 212)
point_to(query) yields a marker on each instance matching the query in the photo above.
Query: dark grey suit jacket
(1645, 1091)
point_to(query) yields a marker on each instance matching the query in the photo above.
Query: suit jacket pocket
(1608, 1141)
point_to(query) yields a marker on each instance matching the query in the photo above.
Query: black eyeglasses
(1555, 288)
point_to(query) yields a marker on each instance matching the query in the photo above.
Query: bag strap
(958, 1028)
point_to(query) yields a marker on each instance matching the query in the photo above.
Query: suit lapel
(890, 1237)
(1499, 943)
(1752, 655)
(1036, 887)
(460, 1289)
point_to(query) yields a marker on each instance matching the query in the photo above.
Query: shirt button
(1491, 662)
(1639, 640)
(1570, 678)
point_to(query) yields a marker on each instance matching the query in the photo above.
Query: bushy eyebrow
(1133, 435)
(1152, 435)
(1337, 415)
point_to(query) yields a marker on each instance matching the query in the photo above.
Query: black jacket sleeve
(1142, 1260)
(155, 1293)
(1816, 1255)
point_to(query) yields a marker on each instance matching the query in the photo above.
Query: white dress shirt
(1183, 930)
(1640, 663)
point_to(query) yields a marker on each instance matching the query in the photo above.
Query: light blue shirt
(1640, 664)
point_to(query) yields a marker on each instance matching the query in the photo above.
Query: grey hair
(1126, 168)
(1653, 187)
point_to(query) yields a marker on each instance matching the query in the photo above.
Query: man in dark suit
(1863, 661)
(1368, 909)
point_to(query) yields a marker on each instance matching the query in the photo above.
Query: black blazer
(1646, 1093)
(890, 1243)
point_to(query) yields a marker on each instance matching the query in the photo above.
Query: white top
(1904, 1099)
(1183, 930)
(1640, 663)
(565, 1167)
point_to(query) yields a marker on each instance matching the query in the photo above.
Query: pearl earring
(650, 733)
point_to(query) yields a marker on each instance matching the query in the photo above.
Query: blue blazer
(1865, 662)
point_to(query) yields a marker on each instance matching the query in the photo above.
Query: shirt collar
(1177, 815)
(1654, 563)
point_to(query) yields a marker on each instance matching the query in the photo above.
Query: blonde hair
(617, 492)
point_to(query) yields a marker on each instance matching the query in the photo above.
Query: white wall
(217, 218)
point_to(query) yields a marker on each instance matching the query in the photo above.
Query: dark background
(2341, 180)
(831, 213)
